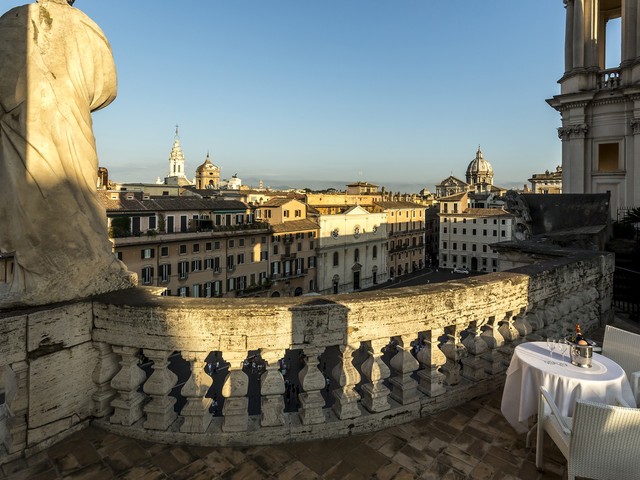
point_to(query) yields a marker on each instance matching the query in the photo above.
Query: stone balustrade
(609, 79)
(135, 364)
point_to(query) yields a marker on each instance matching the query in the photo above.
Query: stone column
(159, 410)
(196, 411)
(346, 377)
(271, 390)
(629, 32)
(578, 33)
(235, 411)
(568, 37)
(374, 393)
(105, 370)
(403, 364)
(312, 382)
(431, 358)
(494, 340)
(473, 364)
(16, 406)
(454, 350)
(128, 404)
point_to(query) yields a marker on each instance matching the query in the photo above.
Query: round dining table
(533, 365)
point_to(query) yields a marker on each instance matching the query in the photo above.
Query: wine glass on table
(562, 346)
(551, 344)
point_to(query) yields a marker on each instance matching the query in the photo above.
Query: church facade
(599, 105)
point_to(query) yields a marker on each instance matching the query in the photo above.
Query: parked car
(463, 270)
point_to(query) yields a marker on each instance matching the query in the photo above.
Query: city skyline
(324, 94)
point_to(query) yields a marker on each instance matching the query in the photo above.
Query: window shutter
(153, 252)
(142, 253)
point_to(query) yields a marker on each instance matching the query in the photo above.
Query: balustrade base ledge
(294, 431)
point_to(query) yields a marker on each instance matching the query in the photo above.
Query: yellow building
(292, 256)
(190, 246)
(406, 235)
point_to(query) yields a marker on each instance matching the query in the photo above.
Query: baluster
(159, 410)
(473, 364)
(404, 388)
(16, 406)
(236, 385)
(128, 403)
(510, 335)
(105, 370)
(522, 324)
(347, 377)
(196, 411)
(537, 325)
(552, 322)
(374, 393)
(454, 350)
(272, 390)
(312, 382)
(432, 358)
(494, 340)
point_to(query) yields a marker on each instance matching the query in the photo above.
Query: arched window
(356, 255)
(336, 259)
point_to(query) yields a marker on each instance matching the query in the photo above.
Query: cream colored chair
(623, 347)
(600, 441)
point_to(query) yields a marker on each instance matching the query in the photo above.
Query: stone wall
(71, 364)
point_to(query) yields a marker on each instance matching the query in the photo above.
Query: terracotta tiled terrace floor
(472, 441)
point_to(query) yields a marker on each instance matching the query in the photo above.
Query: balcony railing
(418, 352)
(609, 79)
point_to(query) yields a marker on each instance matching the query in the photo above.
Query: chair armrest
(622, 403)
(545, 398)
(634, 380)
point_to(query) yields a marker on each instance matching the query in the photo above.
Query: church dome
(479, 166)
(207, 166)
(479, 170)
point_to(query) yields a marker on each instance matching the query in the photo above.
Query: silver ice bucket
(581, 354)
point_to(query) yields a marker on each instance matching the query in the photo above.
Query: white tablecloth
(531, 366)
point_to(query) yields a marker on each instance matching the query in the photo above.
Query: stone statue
(57, 67)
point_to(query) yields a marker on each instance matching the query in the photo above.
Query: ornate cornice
(569, 105)
(571, 132)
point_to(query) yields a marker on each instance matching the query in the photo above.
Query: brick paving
(471, 441)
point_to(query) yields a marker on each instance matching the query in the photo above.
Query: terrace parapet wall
(394, 355)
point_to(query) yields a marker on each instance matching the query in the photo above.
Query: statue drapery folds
(57, 67)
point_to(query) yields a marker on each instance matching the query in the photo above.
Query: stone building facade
(599, 105)
(467, 234)
(292, 255)
(190, 247)
(406, 237)
(547, 182)
(351, 250)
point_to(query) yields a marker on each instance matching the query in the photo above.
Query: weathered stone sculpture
(57, 67)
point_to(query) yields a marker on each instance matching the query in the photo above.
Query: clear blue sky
(300, 92)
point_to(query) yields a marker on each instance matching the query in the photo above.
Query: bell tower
(599, 106)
